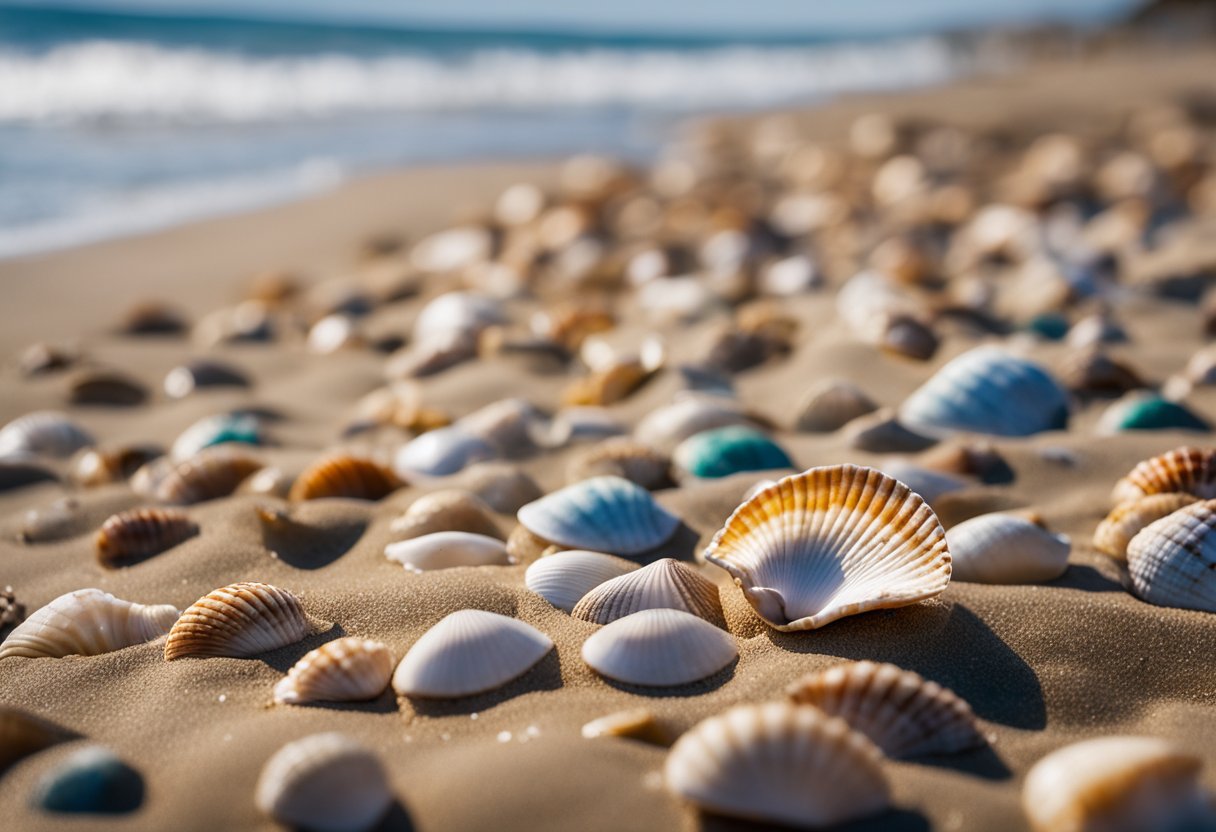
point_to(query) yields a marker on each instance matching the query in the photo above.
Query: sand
(1042, 665)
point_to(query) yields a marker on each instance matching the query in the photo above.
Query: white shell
(344, 670)
(1172, 562)
(87, 622)
(441, 452)
(462, 313)
(324, 782)
(659, 648)
(603, 514)
(671, 424)
(44, 432)
(468, 652)
(506, 425)
(564, 578)
(451, 249)
(664, 584)
(1006, 549)
(444, 550)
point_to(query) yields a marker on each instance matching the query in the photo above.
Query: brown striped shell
(664, 584)
(345, 475)
(239, 620)
(141, 533)
(620, 456)
(1186, 469)
(449, 510)
(1127, 519)
(22, 734)
(208, 475)
(344, 670)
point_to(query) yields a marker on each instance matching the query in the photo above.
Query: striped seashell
(141, 533)
(468, 652)
(671, 424)
(106, 387)
(832, 542)
(43, 433)
(87, 622)
(1144, 410)
(449, 510)
(344, 670)
(441, 452)
(659, 648)
(1172, 562)
(604, 514)
(101, 466)
(903, 713)
(325, 782)
(831, 404)
(503, 487)
(208, 475)
(1126, 520)
(23, 734)
(92, 780)
(217, 430)
(1006, 549)
(780, 763)
(635, 724)
(564, 578)
(445, 550)
(202, 374)
(620, 456)
(344, 475)
(664, 584)
(722, 452)
(1186, 470)
(238, 620)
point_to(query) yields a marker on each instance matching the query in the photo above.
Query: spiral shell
(210, 474)
(344, 670)
(620, 456)
(445, 550)
(344, 475)
(450, 510)
(832, 404)
(659, 648)
(239, 620)
(1186, 470)
(722, 452)
(23, 734)
(44, 433)
(1006, 549)
(141, 533)
(87, 622)
(604, 514)
(1126, 520)
(664, 584)
(563, 578)
(1172, 562)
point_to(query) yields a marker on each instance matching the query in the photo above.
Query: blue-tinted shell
(217, 430)
(92, 781)
(729, 450)
(441, 452)
(603, 514)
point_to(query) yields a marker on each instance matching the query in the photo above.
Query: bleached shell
(832, 542)
(441, 452)
(1172, 562)
(208, 475)
(87, 622)
(903, 713)
(45, 433)
(623, 457)
(1127, 519)
(1187, 470)
(332, 333)
(462, 313)
(1006, 549)
(141, 533)
(779, 762)
(344, 670)
(345, 475)
(671, 424)
(603, 514)
(324, 782)
(238, 620)
(503, 487)
(664, 584)
(449, 510)
(468, 652)
(22, 734)
(659, 648)
(563, 578)
(832, 404)
(445, 550)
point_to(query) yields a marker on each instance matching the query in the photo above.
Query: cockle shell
(603, 514)
(345, 475)
(832, 404)
(208, 475)
(344, 670)
(1172, 562)
(671, 424)
(563, 578)
(722, 452)
(22, 734)
(92, 780)
(87, 622)
(216, 430)
(238, 620)
(449, 510)
(779, 762)
(1006, 549)
(903, 713)
(620, 456)
(45, 433)
(197, 375)
(503, 487)
(664, 584)
(325, 782)
(445, 550)
(635, 724)
(1143, 410)
(100, 466)
(659, 648)
(468, 652)
(1127, 519)
(832, 542)
(441, 452)
(1186, 470)
(141, 533)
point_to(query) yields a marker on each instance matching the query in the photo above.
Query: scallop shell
(1006, 549)
(445, 550)
(216, 430)
(1143, 410)
(43, 432)
(325, 782)
(194, 376)
(722, 452)
(1172, 562)
(664, 584)
(468, 652)
(100, 466)
(23, 734)
(441, 452)
(344, 475)
(903, 713)
(779, 762)
(504, 487)
(659, 648)
(87, 622)
(208, 475)
(450, 510)
(832, 404)
(832, 542)
(344, 670)
(141, 533)
(623, 457)
(1126, 520)
(564, 578)
(238, 620)
(635, 724)
(1186, 470)
(92, 780)
(604, 514)
(106, 387)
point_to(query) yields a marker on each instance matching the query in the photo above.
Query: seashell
(333, 333)
(903, 713)
(444, 550)
(722, 452)
(868, 302)
(1092, 330)
(100, 466)
(1186, 470)
(462, 313)
(201, 374)
(344, 475)
(12, 611)
(326, 782)
(671, 424)
(87, 622)
(635, 724)
(882, 432)
(1006, 549)
(519, 204)
(907, 336)
(503, 487)
(831, 404)
(344, 670)
(971, 459)
(223, 428)
(250, 321)
(1116, 784)
(450, 510)
(1172, 561)
(571, 325)
(208, 475)
(441, 452)
(60, 520)
(620, 456)
(505, 425)
(779, 763)
(735, 351)
(106, 387)
(789, 276)
(149, 476)
(141, 533)
(238, 620)
(929, 484)
(578, 424)
(398, 404)
(987, 390)
(563, 578)
(267, 482)
(832, 542)
(434, 355)
(468, 652)
(43, 432)
(606, 386)
(38, 359)
(451, 250)
(1092, 372)
(23, 734)
(659, 648)
(1201, 368)
(1126, 520)
(90, 781)
(603, 514)
(664, 584)
(1142, 410)
(152, 318)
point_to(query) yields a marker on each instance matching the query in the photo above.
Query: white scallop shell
(87, 622)
(344, 670)
(1172, 562)
(659, 648)
(238, 620)
(438, 453)
(1006, 549)
(445, 550)
(468, 652)
(603, 514)
(671, 424)
(664, 584)
(44, 432)
(564, 578)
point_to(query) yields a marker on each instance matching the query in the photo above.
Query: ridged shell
(659, 648)
(450, 510)
(903, 713)
(468, 652)
(445, 550)
(209, 475)
(238, 620)
(564, 578)
(832, 542)
(92, 780)
(345, 475)
(988, 391)
(832, 404)
(722, 452)
(635, 724)
(87, 622)
(1006, 549)
(100, 466)
(441, 452)
(1127, 519)
(604, 514)
(344, 670)
(106, 387)
(1141, 410)
(44, 432)
(219, 429)
(620, 456)
(324, 782)
(1172, 562)
(779, 762)
(1186, 470)
(141, 533)
(664, 584)
(23, 734)
(504, 487)
(198, 375)
(671, 424)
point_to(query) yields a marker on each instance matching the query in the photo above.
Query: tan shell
(87, 622)
(881, 432)
(142, 533)
(327, 782)
(97, 466)
(635, 724)
(664, 584)
(345, 475)
(208, 475)
(606, 386)
(239, 620)
(1127, 519)
(1188, 470)
(450, 510)
(344, 670)
(620, 456)
(832, 404)
(1093, 372)
(501, 485)
(22, 734)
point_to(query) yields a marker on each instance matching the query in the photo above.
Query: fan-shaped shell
(1172, 562)
(87, 622)
(664, 584)
(1141, 410)
(832, 542)
(238, 620)
(1006, 549)
(603, 514)
(445, 550)
(832, 404)
(659, 648)
(1186, 470)
(468, 652)
(210, 474)
(344, 670)
(217, 430)
(345, 475)
(44, 432)
(564, 578)
(22, 734)
(450, 510)
(671, 424)
(326, 782)
(779, 762)
(141, 533)
(1127, 519)
(441, 452)
(730, 450)
(620, 456)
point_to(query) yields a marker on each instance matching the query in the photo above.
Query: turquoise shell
(217, 430)
(1152, 413)
(730, 450)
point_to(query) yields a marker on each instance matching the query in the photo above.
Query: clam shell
(722, 452)
(1006, 549)
(106, 387)
(505, 425)
(43, 432)
(881, 432)
(1127, 519)
(325, 782)
(564, 578)
(100, 466)
(87, 622)
(208, 475)
(91, 780)
(1172, 562)
(344, 475)
(197, 375)
(450, 510)
(1186, 470)
(344, 670)
(779, 762)
(23, 734)
(1143, 410)
(832, 542)
(903, 713)
(459, 312)
(445, 550)
(216, 430)
(659, 648)
(503, 487)
(142, 533)
(832, 404)
(623, 457)
(635, 724)
(664, 584)
(239, 620)
(468, 652)
(671, 424)
(604, 514)
(441, 452)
